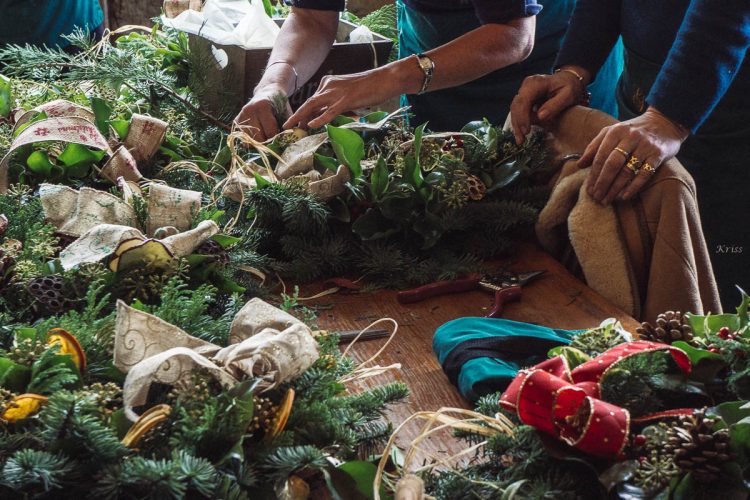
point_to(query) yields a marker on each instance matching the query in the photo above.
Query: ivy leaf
(14, 376)
(78, 159)
(379, 179)
(504, 174)
(574, 356)
(6, 98)
(418, 133)
(102, 111)
(39, 163)
(261, 181)
(374, 117)
(326, 162)
(363, 474)
(349, 148)
(122, 127)
(412, 172)
(342, 120)
(225, 241)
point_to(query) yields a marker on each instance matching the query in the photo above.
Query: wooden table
(556, 299)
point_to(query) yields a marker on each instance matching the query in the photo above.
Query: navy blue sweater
(700, 45)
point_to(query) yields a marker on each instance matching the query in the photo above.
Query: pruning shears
(505, 285)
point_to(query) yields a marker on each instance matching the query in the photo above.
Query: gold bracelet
(585, 94)
(572, 72)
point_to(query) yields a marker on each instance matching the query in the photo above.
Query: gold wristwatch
(427, 66)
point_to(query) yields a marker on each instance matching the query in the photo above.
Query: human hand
(258, 118)
(624, 156)
(338, 94)
(553, 93)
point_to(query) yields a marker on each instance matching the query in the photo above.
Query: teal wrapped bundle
(482, 355)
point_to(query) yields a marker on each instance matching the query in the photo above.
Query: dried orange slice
(145, 423)
(282, 415)
(23, 406)
(68, 345)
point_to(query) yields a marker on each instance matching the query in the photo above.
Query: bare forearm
(304, 42)
(471, 56)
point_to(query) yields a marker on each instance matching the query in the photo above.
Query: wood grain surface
(557, 299)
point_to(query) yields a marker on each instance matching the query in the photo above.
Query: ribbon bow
(565, 403)
(264, 342)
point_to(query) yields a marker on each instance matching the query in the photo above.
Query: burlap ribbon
(173, 8)
(70, 123)
(566, 404)
(105, 240)
(265, 343)
(296, 162)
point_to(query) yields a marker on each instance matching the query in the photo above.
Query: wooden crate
(224, 91)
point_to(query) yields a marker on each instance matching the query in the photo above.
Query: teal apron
(718, 158)
(490, 96)
(44, 22)
(481, 356)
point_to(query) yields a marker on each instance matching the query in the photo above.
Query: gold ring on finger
(620, 150)
(633, 164)
(648, 168)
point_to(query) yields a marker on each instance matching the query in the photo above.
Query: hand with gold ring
(648, 140)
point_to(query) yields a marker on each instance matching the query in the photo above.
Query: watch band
(427, 66)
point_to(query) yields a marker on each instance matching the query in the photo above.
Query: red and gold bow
(565, 403)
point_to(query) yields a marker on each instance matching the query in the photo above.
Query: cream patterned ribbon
(265, 343)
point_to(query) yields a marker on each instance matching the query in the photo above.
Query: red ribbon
(566, 403)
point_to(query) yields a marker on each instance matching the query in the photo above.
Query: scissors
(506, 286)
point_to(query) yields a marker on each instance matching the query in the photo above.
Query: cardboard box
(223, 91)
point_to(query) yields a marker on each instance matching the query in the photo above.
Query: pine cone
(210, 247)
(697, 447)
(51, 294)
(477, 189)
(669, 327)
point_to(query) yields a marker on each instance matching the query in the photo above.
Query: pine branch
(33, 471)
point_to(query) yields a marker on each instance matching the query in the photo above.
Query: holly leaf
(102, 112)
(706, 364)
(6, 97)
(349, 148)
(742, 309)
(703, 325)
(379, 179)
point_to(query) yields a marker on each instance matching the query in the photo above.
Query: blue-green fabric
(43, 22)
(489, 374)
(490, 96)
